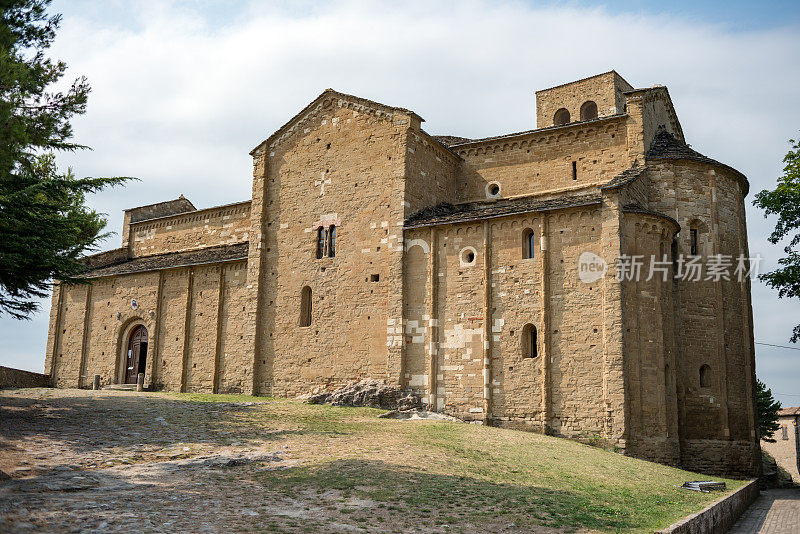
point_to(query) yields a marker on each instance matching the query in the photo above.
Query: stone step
(121, 387)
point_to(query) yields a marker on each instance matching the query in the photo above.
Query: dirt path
(83, 461)
(106, 461)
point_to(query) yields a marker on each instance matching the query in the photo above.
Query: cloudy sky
(182, 91)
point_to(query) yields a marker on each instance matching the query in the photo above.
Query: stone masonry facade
(785, 448)
(449, 266)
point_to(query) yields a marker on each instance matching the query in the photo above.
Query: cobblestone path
(776, 511)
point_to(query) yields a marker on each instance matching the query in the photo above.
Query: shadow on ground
(433, 497)
(86, 423)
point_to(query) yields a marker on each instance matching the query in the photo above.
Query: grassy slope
(425, 474)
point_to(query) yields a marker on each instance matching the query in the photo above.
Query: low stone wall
(17, 378)
(726, 458)
(718, 517)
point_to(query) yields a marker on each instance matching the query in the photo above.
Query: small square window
(374, 278)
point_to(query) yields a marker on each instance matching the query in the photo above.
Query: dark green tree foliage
(784, 201)
(768, 409)
(45, 226)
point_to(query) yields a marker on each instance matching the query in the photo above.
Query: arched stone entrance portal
(136, 354)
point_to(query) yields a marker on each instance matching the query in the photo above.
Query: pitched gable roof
(341, 100)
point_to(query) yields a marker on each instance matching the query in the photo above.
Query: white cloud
(180, 98)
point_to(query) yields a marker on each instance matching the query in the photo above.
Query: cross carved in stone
(324, 179)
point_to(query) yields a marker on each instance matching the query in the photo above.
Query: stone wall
(605, 90)
(186, 312)
(17, 378)
(562, 388)
(713, 317)
(649, 340)
(718, 517)
(541, 162)
(220, 225)
(342, 165)
(786, 450)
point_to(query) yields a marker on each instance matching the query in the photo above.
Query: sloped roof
(450, 140)
(328, 93)
(666, 146)
(171, 260)
(788, 412)
(625, 177)
(160, 209)
(446, 213)
(636, 208)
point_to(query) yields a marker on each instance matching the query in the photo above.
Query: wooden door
(136, 356)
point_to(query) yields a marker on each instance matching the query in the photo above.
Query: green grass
(423, 474)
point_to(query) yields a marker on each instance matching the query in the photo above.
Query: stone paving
(104, 462)
(776, 511)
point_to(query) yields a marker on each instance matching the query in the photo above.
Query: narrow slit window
(705, 376)
(305, 306)
(784, 432)
(332, 241)
(574, 170)
(321, 238)
(693, 238)
(529, 342)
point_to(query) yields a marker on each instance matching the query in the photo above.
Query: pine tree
(45, 225)
(768, 409)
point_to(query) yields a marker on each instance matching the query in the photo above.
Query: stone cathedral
(451, 267)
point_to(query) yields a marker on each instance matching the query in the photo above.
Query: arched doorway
(136, 355)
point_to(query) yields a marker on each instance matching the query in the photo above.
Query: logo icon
(591, 267)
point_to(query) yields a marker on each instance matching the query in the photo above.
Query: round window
(492, 190)
(468, 257)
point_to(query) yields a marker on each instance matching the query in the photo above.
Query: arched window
(528, 244)
(529, 342)
(332, 241)
(705, 376)
(321, 238)
(561, 117)
(588, 111)
(305, 306)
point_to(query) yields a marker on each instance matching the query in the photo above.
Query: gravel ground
(76, 461)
